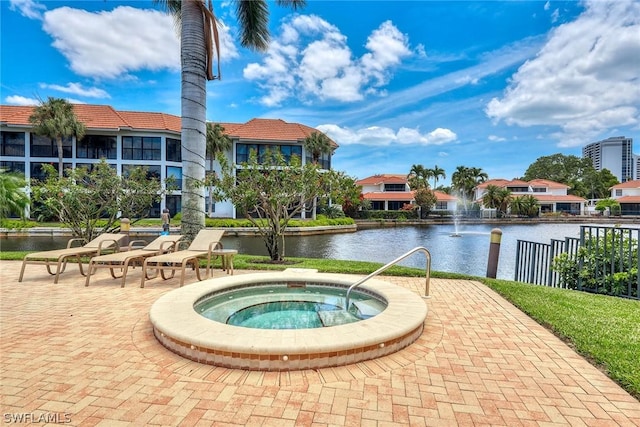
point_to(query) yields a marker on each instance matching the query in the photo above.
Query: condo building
(615, 154)
(126, 139)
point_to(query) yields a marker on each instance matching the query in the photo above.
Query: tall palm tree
(198, 36)
(317, 144)
(217, 142)
(56, 119)
(490, 198)
(437, 173)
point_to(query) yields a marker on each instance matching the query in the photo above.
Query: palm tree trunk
(194, 114)
(60, 157)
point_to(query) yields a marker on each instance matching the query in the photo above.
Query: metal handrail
(391, 263)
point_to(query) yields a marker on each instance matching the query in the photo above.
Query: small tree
(270, 192)
(13, 199)
(56, 119)
(217, 143)
(85, 201)
(317, 144)
(612, 204)
(426, 199)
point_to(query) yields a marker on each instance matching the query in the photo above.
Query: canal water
(467, 253)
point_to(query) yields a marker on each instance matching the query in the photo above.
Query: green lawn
(604, 329)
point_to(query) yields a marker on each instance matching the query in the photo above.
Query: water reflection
(466, 254)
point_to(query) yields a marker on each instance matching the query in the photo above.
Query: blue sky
(486, 84)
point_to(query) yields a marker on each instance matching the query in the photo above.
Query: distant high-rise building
(615, 154)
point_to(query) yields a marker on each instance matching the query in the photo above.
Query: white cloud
(384, 136)
(111, 44)
(584, 81)
(311, 59)
(496, 138)
(28, 8)
(77, 89)
(21, 100)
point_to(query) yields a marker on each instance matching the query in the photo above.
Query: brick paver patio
(87, 356)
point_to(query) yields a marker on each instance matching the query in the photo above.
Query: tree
(465, 179)
(13, 199)
(198, 36)
(317, 144)
(558, 167)
(86, 201)
(426, 199)
(490, 197)
(504, 198)
(436, 173)
(56, 119)
(270, 191)
(418, 177)
(217, 143)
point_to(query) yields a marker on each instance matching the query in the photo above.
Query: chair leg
(24, 264)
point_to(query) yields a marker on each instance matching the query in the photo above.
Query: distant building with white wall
(615, 154)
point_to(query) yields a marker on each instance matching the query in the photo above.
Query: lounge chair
(203, 245)
(60, 257)
(122, 260)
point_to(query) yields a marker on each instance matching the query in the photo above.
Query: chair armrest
(168, 246)
(132, 244)
(214, 245)
(72, 241)
(109, 242)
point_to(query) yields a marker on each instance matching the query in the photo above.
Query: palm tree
(12, 196)
(503, 198)
(436, 173)
(490, 198)
(56, 119)
(418, 177)
(317, 144)
(217, 142)
(198, 36)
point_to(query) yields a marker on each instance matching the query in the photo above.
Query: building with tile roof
(132, 138)
(390, 192)
(552, 196)
(628, 195)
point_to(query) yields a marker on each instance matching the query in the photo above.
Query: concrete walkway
(87, 356)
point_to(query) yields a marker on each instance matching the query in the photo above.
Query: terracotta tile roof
(383, 179)
(545, 183)
(405, 195)
(628, 199)
(99, 117)
(105, 117)
(271, 130)
(550, 198)
(389, 195)
(537, 183)
(628, 184)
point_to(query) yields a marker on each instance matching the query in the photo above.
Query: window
(97, 147)
(153, 171)
(394, 187)
(12, 144)
(42, 146)
(174, 150)
(243, 151)
(89, 166)
(13, 166)
(377, 205)
(539, 190)
(618, 192)
(396, 205)
(174, 204)
(324, 161)
(141, 148)
(175, 172)
(441, 206)
(38, 173)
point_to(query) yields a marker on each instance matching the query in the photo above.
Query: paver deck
(86, 355)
